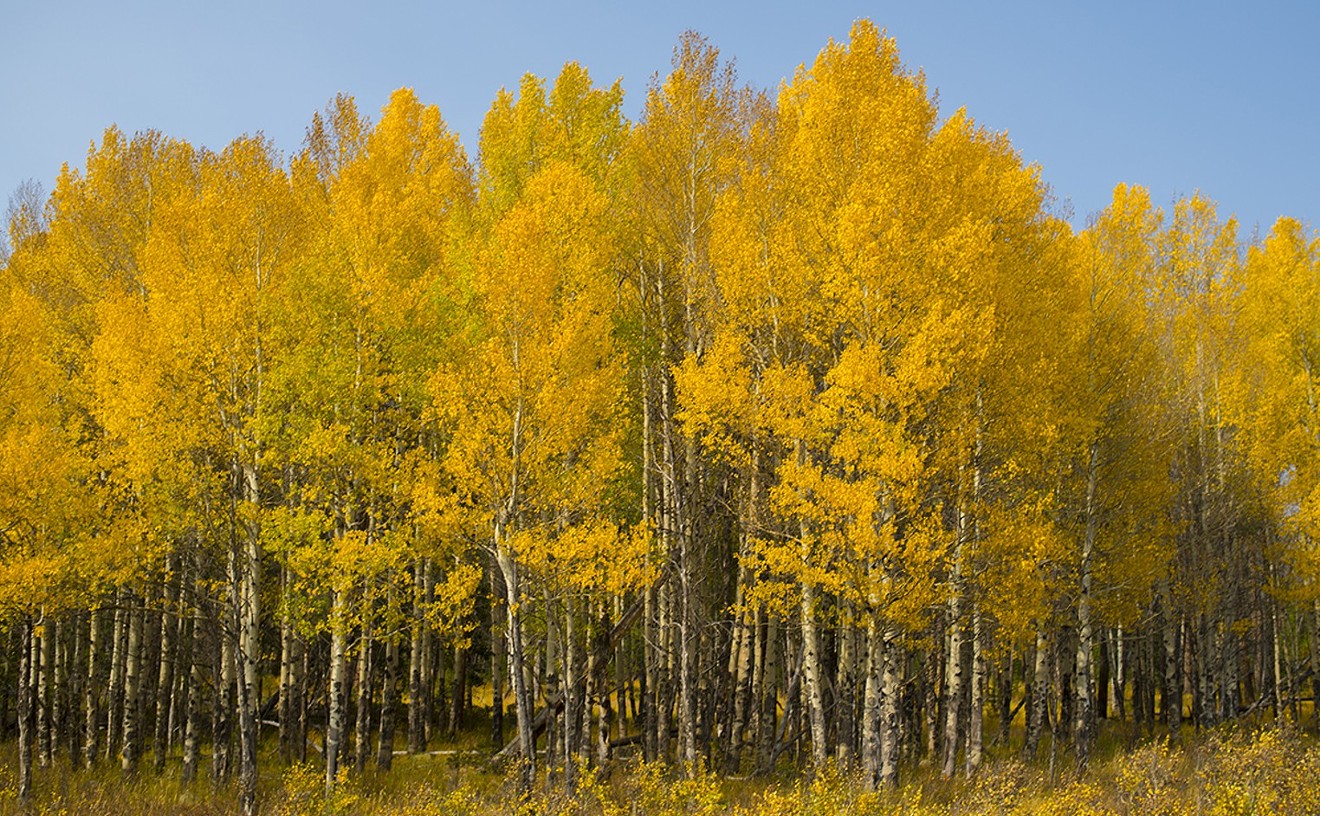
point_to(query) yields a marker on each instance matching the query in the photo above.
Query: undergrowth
(1230, 772)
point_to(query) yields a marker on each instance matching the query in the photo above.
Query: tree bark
(1103, 673)
(365, 681)
(47, 633)
(75, 672)
(24, 711)
(871, 704)
(499, 655)
(740, 660)
(1004, 696)
(222, 717)
(745, 624)
(1084, 722)
(976, 694)
(572, 699)
(247, 615)
(845, 697)
(165, 677)
(1065, 671)
(1149, 647)
(63, 645)
(953, 672)
(811, 669)
(953, 690)
(1313, 636)
(684, 512)
(1118, 673)
(183, 651)
(193, 690)
(598, 698)
(1172, 657)
(931, 672)
(521, 694)
(389, 701)
(1038, 712)
(664, 685)
(91, 692)
(890, 691)
(458, 700)
(650, 676)
(652, 513)
(115, 694)
(416, 723)
(131, 752)
(335, 717)
(287, 663)
(430, 654)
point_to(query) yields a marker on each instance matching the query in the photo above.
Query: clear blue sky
(1216, 97)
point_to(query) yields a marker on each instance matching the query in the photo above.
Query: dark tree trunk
(458, 701)
(389, 701)
(498, 659)
(24, 711)
(165, 678)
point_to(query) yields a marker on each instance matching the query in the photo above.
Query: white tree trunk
(416, 725)
(114, 719)
(976, 696)
(812, 673)
(891, 680)
(362, 730)
(871, 703)
(130, 753)
(91, 693)
(48, 631)
(1040, 695)
(334, 732)
(165, 675)
(521, 693)
(248, 620)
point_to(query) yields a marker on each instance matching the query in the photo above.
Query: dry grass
(1231, 771)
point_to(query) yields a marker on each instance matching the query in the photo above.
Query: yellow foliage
(1271, 772)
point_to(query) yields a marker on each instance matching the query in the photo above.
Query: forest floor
(1233, 770)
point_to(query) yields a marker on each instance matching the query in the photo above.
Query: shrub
(1271, 773)
(1151, 781)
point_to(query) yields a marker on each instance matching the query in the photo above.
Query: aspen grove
(761, 431)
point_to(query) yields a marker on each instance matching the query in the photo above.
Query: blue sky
(1179, 97)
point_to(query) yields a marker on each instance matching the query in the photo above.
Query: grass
(1234, 770)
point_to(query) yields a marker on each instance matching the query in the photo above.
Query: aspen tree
(1120, 449)
(549, 338)
(389, 203)
(1192, 292)
(816, 388)
(45, 504)
(1270, 395)
(531, 408)
(682, 154)
(1273, 384)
